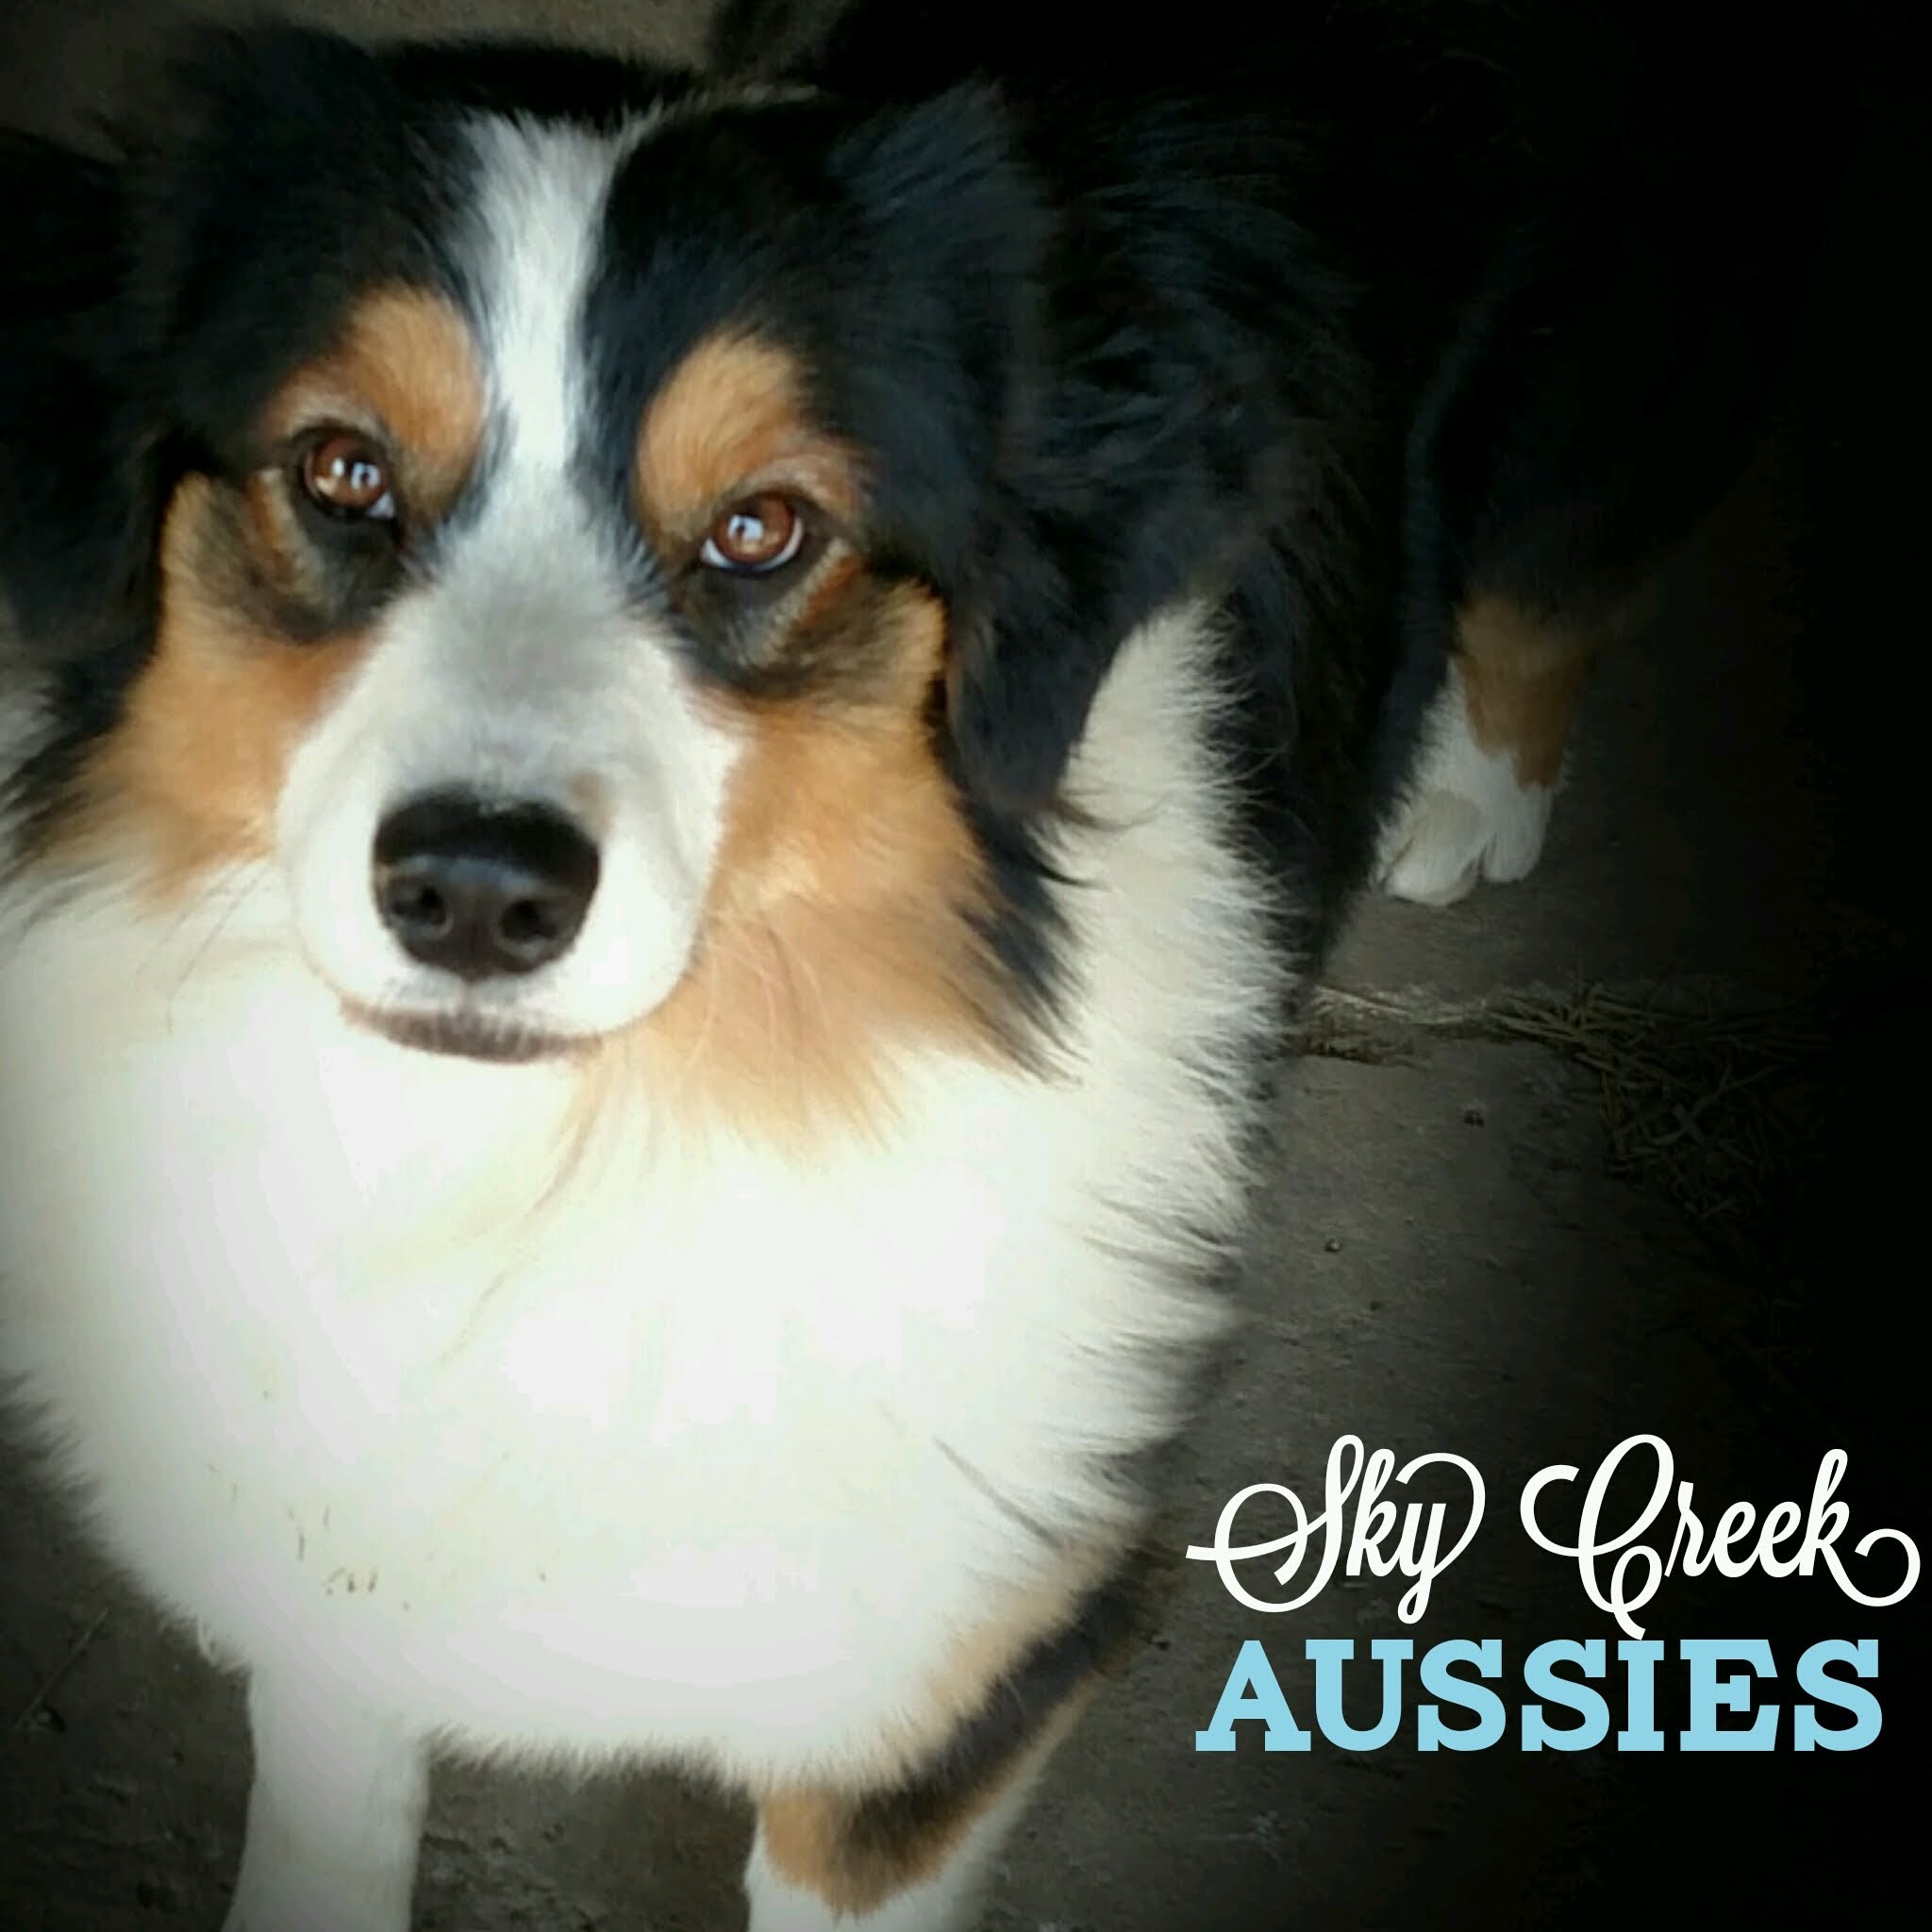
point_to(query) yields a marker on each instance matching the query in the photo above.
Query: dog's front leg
(335, 1814)
(917, 1852)
(823, 1864)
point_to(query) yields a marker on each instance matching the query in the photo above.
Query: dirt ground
(1511, 1220)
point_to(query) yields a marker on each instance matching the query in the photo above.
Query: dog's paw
(1468, 816)
(1444, 842)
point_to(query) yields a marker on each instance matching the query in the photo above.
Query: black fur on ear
(130, 349)
(954, 370)
(934, 353)
(1133, 430)
(941, 333)
(1152, 440)
(290, 149)
(79, 452)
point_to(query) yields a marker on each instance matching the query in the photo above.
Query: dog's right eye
(756, 538)
(347, 476)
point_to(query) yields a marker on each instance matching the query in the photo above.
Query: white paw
(1467, 817)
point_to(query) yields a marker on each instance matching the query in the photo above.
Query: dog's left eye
(349, 477)
(755, 537)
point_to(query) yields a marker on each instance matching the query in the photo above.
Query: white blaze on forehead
(540, 211)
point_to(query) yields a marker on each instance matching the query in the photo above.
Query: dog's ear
(79, 462)
(123, 321)
(1030, 648)
(959, 380)
(1072, 428)
(1044, 370)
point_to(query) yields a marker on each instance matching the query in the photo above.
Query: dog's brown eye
(346, 475)
(755, 537)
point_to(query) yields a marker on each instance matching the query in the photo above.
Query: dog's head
(571, 527)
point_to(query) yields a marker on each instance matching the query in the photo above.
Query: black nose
(482, 889)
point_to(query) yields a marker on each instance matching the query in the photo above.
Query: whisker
(238, 890)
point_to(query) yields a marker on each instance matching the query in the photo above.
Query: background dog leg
(335, 1814)
(1492, 752)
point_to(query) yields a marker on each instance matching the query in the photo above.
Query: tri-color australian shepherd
(673, 747)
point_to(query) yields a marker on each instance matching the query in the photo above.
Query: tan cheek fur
(839, 923)
(193, 772)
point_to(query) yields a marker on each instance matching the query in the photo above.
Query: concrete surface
(1448, 1263)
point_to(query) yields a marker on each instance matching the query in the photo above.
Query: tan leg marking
(1522, 676)
(1006, 1700)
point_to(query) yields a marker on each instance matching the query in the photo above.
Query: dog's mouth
(465, 1036)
